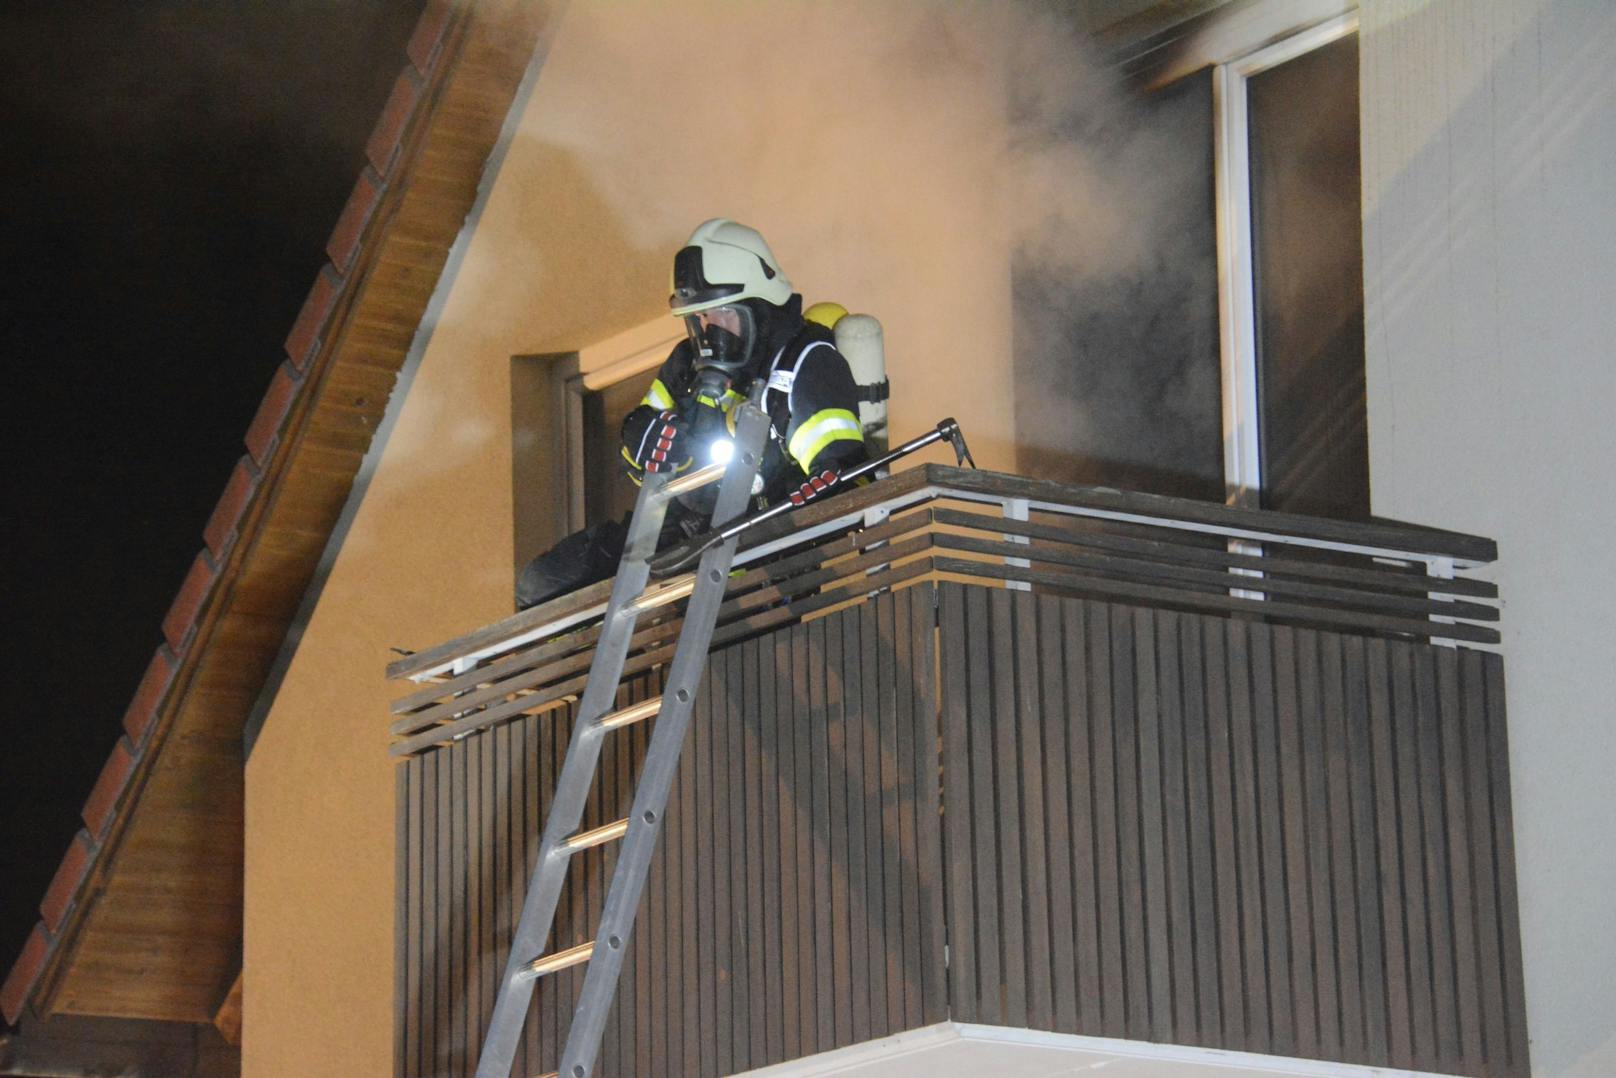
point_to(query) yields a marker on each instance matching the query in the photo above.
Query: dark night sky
(171, 172)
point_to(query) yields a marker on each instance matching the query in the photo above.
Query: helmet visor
(722, 337)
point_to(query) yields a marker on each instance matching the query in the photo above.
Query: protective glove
(814, 487)
(655, 441)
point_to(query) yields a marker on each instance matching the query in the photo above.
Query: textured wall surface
(1489, 143)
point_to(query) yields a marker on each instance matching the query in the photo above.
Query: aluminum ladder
(638, 832)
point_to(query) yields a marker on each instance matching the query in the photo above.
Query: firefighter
(743, 323)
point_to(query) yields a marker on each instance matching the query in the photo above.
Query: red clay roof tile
(180, 622)
(264, 432)
(98, 810)
(221, 528)
(382, 147)
(427, 40)
(304, 340)
(20, 981)
(139, 717)
(344, 241)
(65, 884)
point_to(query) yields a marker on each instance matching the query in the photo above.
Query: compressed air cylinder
(858, 338)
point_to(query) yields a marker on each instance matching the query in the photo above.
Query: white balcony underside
(957, 1050)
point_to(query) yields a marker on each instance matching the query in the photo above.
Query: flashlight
(720, 451)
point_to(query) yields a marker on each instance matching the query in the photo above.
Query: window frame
(1237, 304)
(626, 355)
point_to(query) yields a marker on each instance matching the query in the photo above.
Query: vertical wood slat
(1381, 725)
(1503, 841)
(790, 1013)
(1052, 712)
(910, 752)
(1277, 946)
(1287, 766)
(851, 790)
(1167, 749)
(1125, 744)
(401, 904)
(1080, 794)
(706, 899)
(1366, 885)
(928, 870)
(731, 825)
(761, 901)
(963, 986)
(871, 662)
(1338, 795)
(1201, 826)
(834, 723)
(1103, 773)
(1033, 811)
(1180, 933)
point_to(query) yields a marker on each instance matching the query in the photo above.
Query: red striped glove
(655, 441)
(814, 487)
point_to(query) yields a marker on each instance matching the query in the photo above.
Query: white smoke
(901, 157)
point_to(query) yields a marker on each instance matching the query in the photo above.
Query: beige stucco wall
(1489, 147)
(867, 151)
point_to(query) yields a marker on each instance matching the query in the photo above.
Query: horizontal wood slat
(1142, 525)
(1096, 558)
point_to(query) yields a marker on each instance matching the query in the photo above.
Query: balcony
(982, 749)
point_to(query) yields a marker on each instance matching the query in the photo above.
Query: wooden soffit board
(154, 927)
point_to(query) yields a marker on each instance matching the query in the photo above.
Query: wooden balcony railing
(980, 747)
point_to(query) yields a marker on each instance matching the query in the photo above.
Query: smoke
(966, 171)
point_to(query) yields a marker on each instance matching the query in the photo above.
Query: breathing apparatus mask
(722, 340)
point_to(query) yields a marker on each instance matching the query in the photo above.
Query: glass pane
(608, 494)
(1117, 368)
(1307, 252)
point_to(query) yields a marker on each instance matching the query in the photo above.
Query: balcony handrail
(1440, 552)
(925, 523)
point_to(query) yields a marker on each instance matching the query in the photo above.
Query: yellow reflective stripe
(823, 428)
(632, 463)
(730, 399)
(658, 396)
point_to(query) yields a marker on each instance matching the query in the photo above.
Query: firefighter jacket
(811, 399)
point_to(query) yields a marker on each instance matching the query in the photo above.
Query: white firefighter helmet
(723, 263)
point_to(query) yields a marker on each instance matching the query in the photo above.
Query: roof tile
(64, 886)
(221, 529)
(180, 622)
(26, 970)
(98, 810)
(385, 138)
(427, 40)
(344, 241)
(264, 433)
(141, 714)
(304, 340)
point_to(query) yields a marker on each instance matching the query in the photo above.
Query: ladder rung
(671, 592)
(628, 715)
(599, 836)
(697, 479)
(549, 963)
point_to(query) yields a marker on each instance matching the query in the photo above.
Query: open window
(567, 411)
(1290, 253)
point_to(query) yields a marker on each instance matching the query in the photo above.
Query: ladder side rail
(662, 758)
(571, 792)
